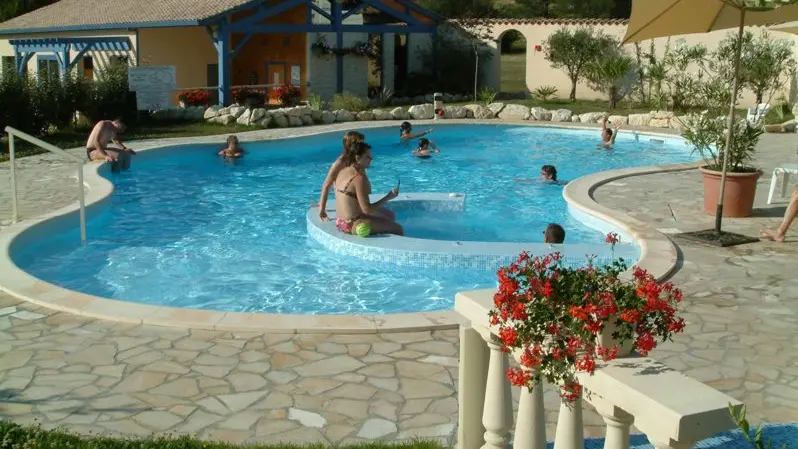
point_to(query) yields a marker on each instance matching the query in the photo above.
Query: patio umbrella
(661, 18)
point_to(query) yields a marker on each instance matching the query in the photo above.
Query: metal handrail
(12, 132)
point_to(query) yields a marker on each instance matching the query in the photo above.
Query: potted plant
(562, 320)
(707, 135)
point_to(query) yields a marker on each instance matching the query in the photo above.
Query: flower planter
(738, 199)
(605, 339)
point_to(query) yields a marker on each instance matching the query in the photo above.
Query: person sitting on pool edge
(607, 135)
(233, 149)
(423, 151)
(350, 138)
(105, 132)
(352, 204)
(554, 234)
(406, 132)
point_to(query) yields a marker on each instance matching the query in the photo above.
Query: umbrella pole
(735, 87)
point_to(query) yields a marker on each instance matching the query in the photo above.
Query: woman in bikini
(350, 138)
(352, 204)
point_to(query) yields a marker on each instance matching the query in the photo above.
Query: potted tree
(707, 135)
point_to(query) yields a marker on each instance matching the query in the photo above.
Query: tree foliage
(765, 63)
(573, 50)
(613, 73)
(12, 8)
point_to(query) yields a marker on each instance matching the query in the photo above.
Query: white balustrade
(674, 411)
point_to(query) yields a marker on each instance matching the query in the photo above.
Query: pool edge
(657, 253)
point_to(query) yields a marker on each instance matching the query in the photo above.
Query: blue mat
(778, 434)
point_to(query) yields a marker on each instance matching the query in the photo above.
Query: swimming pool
(186, 229)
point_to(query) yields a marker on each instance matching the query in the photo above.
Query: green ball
(363, 229)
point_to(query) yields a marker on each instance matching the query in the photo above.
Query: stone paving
(104, 377)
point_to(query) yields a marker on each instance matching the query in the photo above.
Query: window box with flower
(564, 320)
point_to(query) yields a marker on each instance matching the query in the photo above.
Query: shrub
(544, 93)
(109, 96)
(487, 95)
(348, 101)
(315, 102)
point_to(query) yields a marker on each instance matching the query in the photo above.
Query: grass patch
(76, 137)
(513, 72)
(14, 436)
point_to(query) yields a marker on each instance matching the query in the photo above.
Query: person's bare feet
(772, 236)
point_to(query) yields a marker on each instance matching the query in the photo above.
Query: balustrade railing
(670, 408)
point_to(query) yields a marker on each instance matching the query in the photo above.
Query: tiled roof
(545, 21)
(108, 14)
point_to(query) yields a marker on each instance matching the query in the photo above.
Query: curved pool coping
(657, 253)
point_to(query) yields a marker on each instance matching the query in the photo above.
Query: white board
(296, 77)
(154, 86)
(153, 100)
(152, 78)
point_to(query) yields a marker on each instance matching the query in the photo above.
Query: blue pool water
(186, 229)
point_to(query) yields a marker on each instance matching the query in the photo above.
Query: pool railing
(14, 133)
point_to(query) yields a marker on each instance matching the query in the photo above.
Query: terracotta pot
(738, 200)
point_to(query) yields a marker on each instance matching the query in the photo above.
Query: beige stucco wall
(100, 58)
(540, 73)
(189, 49)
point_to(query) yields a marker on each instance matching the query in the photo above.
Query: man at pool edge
(105, 132)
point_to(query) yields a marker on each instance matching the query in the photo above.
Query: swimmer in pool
(233, 149)
(406, 132)
(423, 151)
(608, 135)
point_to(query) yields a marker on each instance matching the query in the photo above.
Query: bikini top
(347, 192)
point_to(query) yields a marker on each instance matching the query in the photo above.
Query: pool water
(187, 229)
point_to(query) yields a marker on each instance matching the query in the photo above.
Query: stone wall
(304, 115)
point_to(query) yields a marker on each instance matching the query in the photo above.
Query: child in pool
(423, 151)
(406, 132)
(608, 136)
(233, 150)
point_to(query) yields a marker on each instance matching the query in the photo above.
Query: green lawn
(513, 73)
(76, 137)
(14, 436)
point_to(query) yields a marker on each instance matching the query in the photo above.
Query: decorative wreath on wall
(322, 48)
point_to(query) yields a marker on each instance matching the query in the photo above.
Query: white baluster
(497, 417)
(474, 359)
(530, 424)
(618, 424)
(570, 433)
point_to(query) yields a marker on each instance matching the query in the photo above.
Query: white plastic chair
(758, 112)
(785, 171)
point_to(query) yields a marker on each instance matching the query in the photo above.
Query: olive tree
(765, 63)
(572, 50)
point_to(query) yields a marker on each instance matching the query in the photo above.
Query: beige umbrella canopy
(661, 18)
